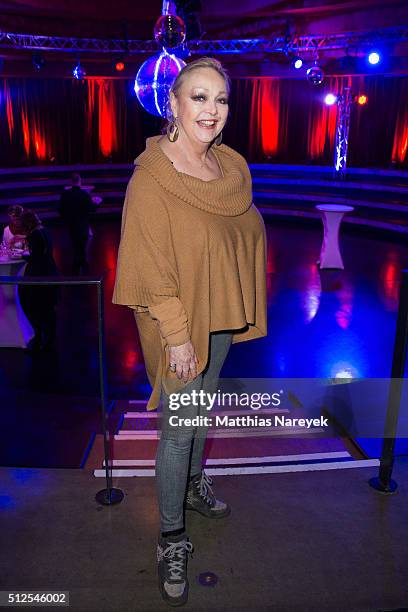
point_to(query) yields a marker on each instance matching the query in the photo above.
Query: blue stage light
(296, 62)
(154, 79)
(374, 58)
(78, 72)
(330, 99)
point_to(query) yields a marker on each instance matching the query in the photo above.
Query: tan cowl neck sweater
(192, 259)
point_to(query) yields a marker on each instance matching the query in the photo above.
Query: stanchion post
(384, 483)
(110, 495)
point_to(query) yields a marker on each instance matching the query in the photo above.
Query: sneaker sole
(173, 601)
(220, 515)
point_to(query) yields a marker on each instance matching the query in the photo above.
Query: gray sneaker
(200, 497)
(172, 568)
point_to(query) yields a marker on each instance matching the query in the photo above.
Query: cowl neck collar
(230, 195)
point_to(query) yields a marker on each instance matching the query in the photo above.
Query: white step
(244, 471)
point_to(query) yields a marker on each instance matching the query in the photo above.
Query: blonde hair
(201, 62)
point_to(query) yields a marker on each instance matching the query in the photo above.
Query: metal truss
(293, 44)
(32, 42)
(350, 40)
(301, 44)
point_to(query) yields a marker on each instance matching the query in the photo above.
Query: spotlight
(374, 58)
(330, 99)
(38, 61)
(315, 75)
(362, 100)
(78, 72)
(296, 62)
(119, 63)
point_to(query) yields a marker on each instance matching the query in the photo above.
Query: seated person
(13, 235)
(39, 302)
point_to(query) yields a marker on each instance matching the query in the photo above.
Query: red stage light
(362, 100)
(119, 66)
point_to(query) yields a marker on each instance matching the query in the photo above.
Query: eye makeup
(203, 97)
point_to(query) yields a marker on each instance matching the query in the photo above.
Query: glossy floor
(320, 323)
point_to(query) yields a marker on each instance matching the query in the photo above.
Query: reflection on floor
(320, 323)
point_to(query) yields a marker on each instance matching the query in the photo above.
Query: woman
(39, 303)
(13, 237)
(192, 266)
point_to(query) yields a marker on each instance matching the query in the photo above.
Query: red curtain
(304, 128)
(264, 113)
(25, 126)
(102, 104)
(9, 109)
(400, 144)
(270, 119)
(108, 136)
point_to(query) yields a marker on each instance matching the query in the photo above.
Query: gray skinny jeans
(180, 452)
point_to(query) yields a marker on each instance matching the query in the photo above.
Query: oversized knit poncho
(192, 259)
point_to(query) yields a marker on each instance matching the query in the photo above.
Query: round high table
(15, 329)
(332, 214)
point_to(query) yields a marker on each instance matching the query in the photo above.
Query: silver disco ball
(315, 75)
(170, 31)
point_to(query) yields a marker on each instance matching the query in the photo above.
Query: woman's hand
(183, 361)
(17, 241)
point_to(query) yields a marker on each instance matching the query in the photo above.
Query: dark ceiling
(218, 19)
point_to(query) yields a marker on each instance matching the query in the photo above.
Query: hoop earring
(218, 140)
(172, 131)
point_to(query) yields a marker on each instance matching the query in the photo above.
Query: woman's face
(201, 105)
(14, 220)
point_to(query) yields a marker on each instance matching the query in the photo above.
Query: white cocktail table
(332, 214)
(15, 329)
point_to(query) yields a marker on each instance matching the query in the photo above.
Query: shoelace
(172, 550)
(204, 488)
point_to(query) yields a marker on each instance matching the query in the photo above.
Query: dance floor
(320, 324)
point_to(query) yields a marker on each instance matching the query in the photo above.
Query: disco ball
(154, 79)
(169, 31)
(315, 75)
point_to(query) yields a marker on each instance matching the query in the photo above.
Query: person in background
(12, 234)
(39, 303)
(75, 208)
